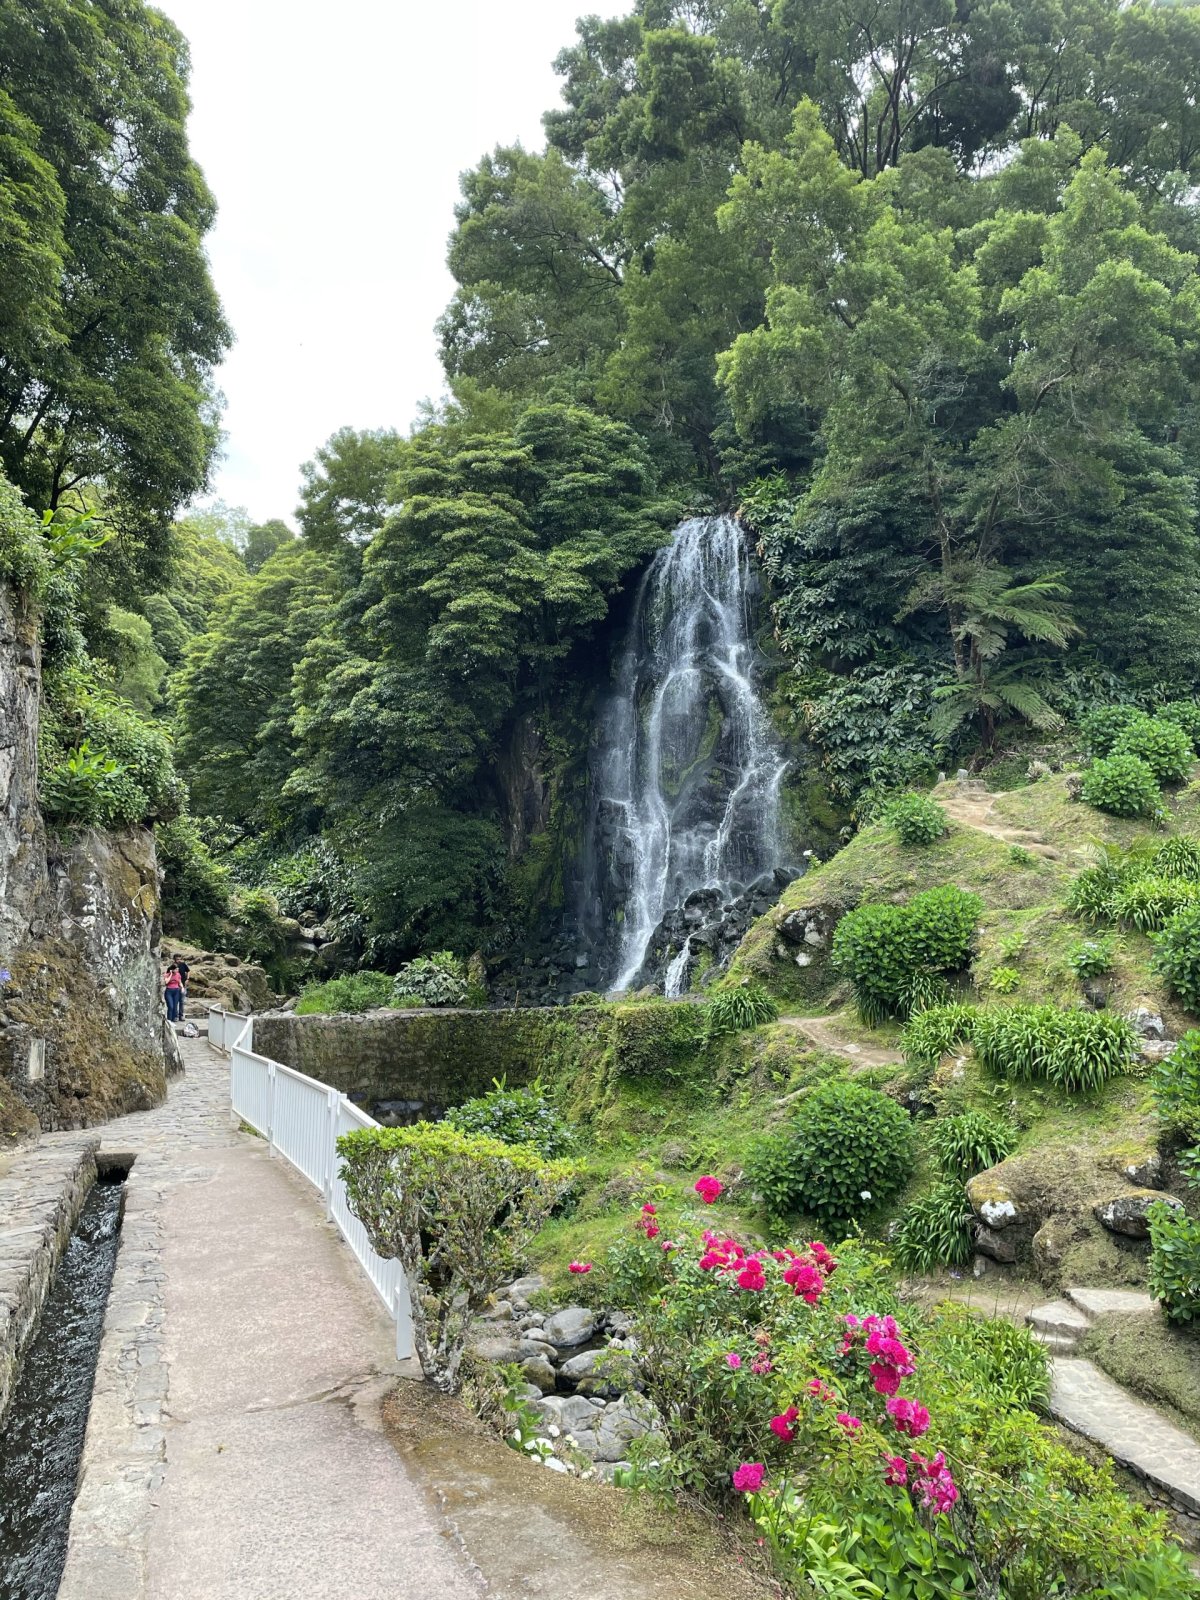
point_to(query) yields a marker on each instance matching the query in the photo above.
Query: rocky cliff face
(82, 1030)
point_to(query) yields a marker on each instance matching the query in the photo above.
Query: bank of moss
(1152, 1359)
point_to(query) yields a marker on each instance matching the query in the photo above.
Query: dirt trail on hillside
(823, 1032)
(975, 808)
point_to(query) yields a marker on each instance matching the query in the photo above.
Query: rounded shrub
(1092, 958)
(1005, 980)
(1123, 785)
(916, 819)
(1184, 714)
(1074, 1050)
(516, 1116)
(1102, 727)
(437, 980)
(1177, 955)
(1176, 1086)
(849, 1148)
(1163, 746)
(889, 952)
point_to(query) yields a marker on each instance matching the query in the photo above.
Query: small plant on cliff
(458, 1211)
(516, 1116)
(1092, 958)
(437, 980)
(848, 1149)
(916, 819)
(734, 1010)
(1175, 1262)
(1176, 1086)
(929, 1034)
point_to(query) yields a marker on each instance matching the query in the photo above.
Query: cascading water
(687, 775)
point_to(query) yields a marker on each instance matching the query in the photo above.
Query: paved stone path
(1089, 1402)
(234, 1448)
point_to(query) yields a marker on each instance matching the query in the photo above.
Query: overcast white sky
(333, 137)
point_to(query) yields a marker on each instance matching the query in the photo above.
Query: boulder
(493, 1347)
(570, 1327)
(607, 1372)
(994, 1202)
(995, 1245)
(1050, 1245)
(1128, 1213)
(1148, 1023)
(537, 1370)
(531, 1347)
(623, 1421)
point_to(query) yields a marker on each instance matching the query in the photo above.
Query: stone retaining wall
(41, 1195)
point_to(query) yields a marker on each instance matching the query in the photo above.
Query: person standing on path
(173, 989)
(183, 969)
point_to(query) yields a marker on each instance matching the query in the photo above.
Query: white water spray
(689, 766)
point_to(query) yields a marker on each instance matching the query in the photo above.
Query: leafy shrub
(24, 558)
(1176, 1085)
(1004, 980)
(1020, 856)
(1102, 727)
(969, 1143)
(1177, 858)
(988, 1356)
(1093, 894)
(195, 890)
(1163, 746)
(916, 819)
(1184, 714)
(929, 1034)
(102, 764)
(353, 991)
(1122, 785)
(935, 1231)
(1073, 1050)
(1149, 903)
(1092, 958)
(458, 1210)
(734, 1010)
(883, 948)
(847, 1149)
(1177, 955)
(437, 980)
(1175, 1262)
(516, 1116)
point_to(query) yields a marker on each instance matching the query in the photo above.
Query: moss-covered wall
(420, 1062)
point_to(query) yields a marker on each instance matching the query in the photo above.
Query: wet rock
(537, 1370)
(995, 1246)
(573, 1326)
(530, 1348)
(1128, 1213)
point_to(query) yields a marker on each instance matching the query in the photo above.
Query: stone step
(1097, 1302)
(1059, 1319)
(1085, 1400)
(1056, 1344)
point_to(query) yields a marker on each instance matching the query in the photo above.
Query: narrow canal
(43, 1435)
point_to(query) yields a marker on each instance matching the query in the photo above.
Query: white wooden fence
(302, 1120)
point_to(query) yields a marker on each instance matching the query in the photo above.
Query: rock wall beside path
(82, 1023)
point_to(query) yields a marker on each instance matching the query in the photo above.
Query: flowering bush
(870, 1453)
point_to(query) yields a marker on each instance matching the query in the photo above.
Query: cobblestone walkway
(234, 1448)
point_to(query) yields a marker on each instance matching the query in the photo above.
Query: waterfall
(687, 773)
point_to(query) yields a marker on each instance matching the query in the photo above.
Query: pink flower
(934, 1483)
(781, 1426)
(649, 1210)
(652, 1232)
(708, 1188)
(749, 1476)
(669, 1244)
(851, 1424)
(733, 1361)
(909, 1416)
(760, 1365)
(895, 1471)
(886, 1379)
(805, 1280)
(580, 1266)
(822, 1257)
(821, 1390)
(751, 1276)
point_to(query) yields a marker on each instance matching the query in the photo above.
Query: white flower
(865, 1195)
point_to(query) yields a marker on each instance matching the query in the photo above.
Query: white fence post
(332, 1108)
(271, 1070)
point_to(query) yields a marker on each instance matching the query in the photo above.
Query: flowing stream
(688, 772)
(43, 1434)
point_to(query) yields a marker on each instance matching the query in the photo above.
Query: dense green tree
(344, 498)
(112, 325)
